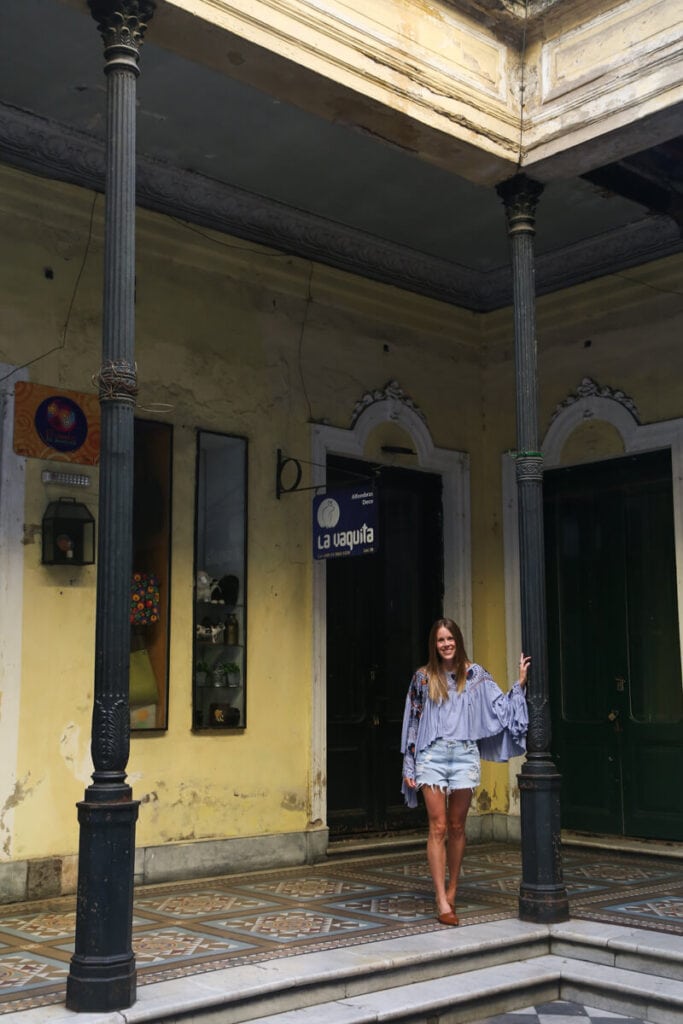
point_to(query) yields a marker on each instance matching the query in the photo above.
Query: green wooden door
(379, 611)
(613, 645)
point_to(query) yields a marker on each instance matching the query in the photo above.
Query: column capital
(529, 466)
(122, 23)
(520, 197)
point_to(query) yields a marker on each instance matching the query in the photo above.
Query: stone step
(474, 995)
(633, 949)
(655, 999)
(448, 975)
(454, 999)
(244, 992)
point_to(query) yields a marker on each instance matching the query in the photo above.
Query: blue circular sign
(61, 424)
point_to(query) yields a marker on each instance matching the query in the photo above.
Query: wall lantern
(68, 533)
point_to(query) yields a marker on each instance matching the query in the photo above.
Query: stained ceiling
(220, 153)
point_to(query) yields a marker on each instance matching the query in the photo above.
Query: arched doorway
(388, 409)
(614, 539)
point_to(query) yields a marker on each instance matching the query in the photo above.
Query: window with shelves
(151, 576)
(219, 663)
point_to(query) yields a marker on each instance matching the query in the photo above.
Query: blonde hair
(436, 677)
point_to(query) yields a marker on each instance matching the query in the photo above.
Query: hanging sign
(345, 522)
(50, 423)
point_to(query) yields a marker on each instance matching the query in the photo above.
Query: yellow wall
(227, 339)
(220, 346)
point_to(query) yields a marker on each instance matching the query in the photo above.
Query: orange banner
(50, 423)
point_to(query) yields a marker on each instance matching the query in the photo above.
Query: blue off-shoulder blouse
(497, 721)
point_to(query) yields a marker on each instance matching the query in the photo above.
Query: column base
(543, 906)
(102, 974)
(93, 986)
(542, 894)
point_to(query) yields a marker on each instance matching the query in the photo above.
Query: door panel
(379, 610)
(615, 668)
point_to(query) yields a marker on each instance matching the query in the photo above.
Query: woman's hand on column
(524, 662)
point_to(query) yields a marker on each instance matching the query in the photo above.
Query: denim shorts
(449, 765)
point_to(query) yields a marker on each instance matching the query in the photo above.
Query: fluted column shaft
(102, 973)
(543, 896)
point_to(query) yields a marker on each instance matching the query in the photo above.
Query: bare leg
(458, 805)
(435, 802)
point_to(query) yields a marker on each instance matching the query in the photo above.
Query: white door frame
(12, 489)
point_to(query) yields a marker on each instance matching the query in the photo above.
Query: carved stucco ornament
(392, 391)
(588, 388)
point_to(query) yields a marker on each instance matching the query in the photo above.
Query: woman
(455, 713)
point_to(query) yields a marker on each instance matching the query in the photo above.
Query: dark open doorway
(379, 611)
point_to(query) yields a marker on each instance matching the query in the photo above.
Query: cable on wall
(65, 329)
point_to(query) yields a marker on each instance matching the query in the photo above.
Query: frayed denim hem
(448, 765)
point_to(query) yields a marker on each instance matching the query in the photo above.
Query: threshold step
(632, 949)
(655, 999)
(451, 1000)
(471, 997)
(246, 992)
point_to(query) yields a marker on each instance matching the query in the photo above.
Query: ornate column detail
(102, 973)
(543, 897)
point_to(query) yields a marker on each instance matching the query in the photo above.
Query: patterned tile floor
(187, 928)
(561, 1012)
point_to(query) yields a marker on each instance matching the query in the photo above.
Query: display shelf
(219, 627)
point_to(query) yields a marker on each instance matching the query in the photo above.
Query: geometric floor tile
(290, 925)
(666, 908)
(185, 928)
(618, 873)
(187, 905)
(398, 906)
(302, 889)
(409, 869)
(561, 1012)
(167, 945)
(22, 971)
(39, 927)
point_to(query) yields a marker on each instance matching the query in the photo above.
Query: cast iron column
(102, 974)
(542, 896)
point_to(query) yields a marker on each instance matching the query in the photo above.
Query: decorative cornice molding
(392, 391)
(51, 150)
(588, 388)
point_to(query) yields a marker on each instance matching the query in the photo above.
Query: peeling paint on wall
(483, 801)
(19, 793)
(75, 755)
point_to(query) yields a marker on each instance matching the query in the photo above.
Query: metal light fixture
(68, 533)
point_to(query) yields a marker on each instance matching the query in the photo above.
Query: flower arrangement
(144, 599)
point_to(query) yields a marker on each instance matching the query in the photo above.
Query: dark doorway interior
(379, 611)
(614, 653)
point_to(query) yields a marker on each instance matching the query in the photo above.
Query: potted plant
(232, 673)
(201, 672)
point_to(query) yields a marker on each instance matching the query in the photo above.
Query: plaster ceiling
(223, 154)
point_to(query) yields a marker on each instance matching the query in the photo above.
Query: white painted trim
(453, 467)
(635, 438)
(12, 488)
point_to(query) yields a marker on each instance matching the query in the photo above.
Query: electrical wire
(56, 348)
(522, 86)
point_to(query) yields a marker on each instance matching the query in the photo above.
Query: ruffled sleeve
(501, 720)
(411, 721)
